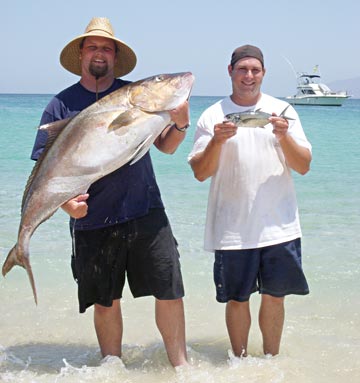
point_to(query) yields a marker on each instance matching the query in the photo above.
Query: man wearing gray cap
(252, 222)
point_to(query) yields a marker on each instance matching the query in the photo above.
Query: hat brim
(70, 55)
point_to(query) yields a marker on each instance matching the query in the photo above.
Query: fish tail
(11, 261)
(282, 114)
(31, 277)
(14, 259)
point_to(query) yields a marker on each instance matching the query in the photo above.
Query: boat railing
(327, 91)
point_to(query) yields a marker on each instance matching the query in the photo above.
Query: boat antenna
(291, 65)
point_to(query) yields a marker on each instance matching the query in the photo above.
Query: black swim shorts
(275, 270)
(144, 250)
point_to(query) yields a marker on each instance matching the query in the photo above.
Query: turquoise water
(51, 342)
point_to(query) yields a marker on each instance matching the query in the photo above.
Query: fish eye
(159, 78)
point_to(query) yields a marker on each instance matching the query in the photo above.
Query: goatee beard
(98, 72)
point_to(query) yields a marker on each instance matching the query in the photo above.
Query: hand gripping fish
(253, 119)
(117, 129)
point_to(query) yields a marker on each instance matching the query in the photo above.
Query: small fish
(253, 119)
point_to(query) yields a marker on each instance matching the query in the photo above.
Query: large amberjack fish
(253, 119)
(113, 131)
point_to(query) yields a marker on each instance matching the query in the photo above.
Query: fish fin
(141, 150)
(30, 180)
(123, 122)
(12, 259)
(53, 129)
(125, 119)
(32, 176)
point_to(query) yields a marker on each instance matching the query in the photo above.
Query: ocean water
(51, 342)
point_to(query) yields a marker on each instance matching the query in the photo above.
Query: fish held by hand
(253, 119)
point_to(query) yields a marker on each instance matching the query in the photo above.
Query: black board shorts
(274, 270)
(143, 251)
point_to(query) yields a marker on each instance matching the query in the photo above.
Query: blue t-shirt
(128, 192)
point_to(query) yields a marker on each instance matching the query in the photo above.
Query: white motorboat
(310, 91)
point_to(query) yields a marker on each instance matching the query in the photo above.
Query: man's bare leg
(170, 320)
(109, 328)
(271, 321)
(238, 321)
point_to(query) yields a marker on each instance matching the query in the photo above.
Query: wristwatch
(181, 129)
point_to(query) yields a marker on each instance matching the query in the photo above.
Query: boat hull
(317, 100)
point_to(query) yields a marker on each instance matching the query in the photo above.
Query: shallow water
(51, 342)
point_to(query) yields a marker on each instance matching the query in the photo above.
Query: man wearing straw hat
(136, 226)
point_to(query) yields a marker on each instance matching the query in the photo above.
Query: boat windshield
(305, 79)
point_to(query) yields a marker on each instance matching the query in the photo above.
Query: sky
(188, 35)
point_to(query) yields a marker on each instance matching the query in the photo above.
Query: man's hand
(280, 126)
(224, 131)
(181, 115)
(76, 207)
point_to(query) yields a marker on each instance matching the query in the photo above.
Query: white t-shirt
(252, 201)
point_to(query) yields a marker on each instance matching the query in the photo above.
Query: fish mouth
(187, 81)
(189, 78)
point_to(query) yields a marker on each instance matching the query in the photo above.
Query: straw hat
(98, 26)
